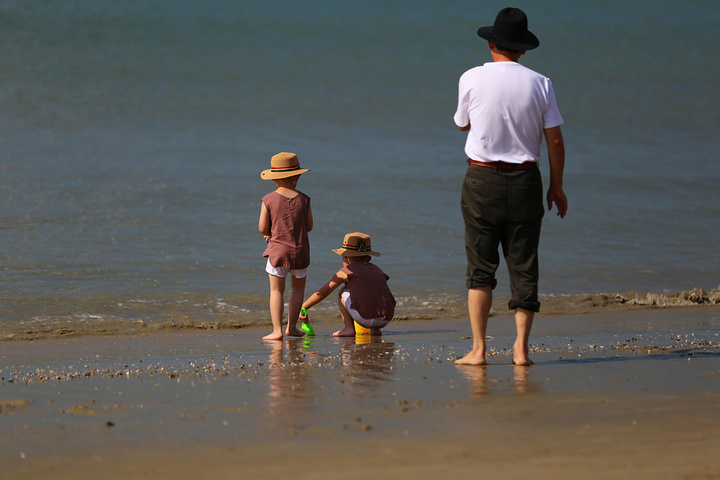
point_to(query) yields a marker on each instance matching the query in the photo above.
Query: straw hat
(283, 165)
(356, 245)
(510, 30)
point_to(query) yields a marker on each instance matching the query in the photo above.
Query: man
(506, 109)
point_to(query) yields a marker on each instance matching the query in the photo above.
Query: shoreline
(140, 317)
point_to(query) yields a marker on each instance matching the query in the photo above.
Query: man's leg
(481, 205)
(520, 247)
(521, 350)
(479, 303)
(523, 267)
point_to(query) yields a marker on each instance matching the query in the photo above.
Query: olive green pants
(503, 208)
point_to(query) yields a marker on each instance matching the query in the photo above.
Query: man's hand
(556, 158)
(557, 196)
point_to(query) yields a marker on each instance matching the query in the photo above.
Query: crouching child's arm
(338, 279)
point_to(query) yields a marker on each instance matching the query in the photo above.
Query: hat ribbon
(360, 247)
(289, 168)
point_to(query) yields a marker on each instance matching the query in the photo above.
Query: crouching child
(365, 297)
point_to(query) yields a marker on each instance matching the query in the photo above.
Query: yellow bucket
(360, 330)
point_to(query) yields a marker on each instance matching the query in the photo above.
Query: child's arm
(339, 278)
(309, 219)
(264, 222)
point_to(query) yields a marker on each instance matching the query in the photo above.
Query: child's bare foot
(472, 358)
(275, 335)
(345, 332)
(295, 332)
(375, 331)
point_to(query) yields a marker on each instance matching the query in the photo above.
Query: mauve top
(288, 246)
(369, 291)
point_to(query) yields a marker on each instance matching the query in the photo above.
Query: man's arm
(465, 128)
(556, 157)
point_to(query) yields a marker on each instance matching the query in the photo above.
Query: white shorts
(372, 323)
(282, 272)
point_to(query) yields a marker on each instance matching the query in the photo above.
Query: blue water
(133, 135)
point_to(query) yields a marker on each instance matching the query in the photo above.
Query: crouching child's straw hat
(356, 244)
(283, 165)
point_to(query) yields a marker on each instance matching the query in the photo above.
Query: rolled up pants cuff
(529, 306)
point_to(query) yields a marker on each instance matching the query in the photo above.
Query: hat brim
(530, 41)
(354, 253)
(270, 175)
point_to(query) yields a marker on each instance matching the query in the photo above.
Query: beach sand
(623, 394)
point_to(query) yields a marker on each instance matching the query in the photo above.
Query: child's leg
(297, 295)
(348, 322)
(277, 290)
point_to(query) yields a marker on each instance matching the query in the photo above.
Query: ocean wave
(589, 302)
(32, 319)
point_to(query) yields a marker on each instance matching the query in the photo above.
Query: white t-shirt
(507, 106)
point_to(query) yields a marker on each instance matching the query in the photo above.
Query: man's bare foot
(345, 332)
(522, 361)
(520, 356)
(375, 331)
(295, 332)
(275, 335)
(472, 358)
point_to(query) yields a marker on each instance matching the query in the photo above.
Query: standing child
(366, 297)
(285, 220)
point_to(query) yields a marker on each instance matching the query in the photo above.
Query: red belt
(505, 165)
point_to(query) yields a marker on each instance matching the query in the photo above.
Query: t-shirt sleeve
(552, 117)
(462, 115)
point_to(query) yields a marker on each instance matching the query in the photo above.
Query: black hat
(510, 31)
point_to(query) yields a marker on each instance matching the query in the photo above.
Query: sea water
(133, 135)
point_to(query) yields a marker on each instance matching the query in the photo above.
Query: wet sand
(612, 395)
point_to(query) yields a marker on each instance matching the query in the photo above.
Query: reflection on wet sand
(477, 376)
(363, 361)
(367, 360)
(481, 385)
(289, 380)
(523, 384)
